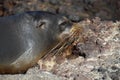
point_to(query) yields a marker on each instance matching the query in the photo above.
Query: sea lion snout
(64, 28)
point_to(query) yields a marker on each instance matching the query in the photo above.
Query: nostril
(62, 26)
(65, 29)
(65, 25)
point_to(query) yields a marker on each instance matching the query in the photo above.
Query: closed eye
(41, 25)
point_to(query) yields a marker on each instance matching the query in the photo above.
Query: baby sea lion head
(52, 24)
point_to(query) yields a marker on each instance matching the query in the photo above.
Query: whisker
(65, 43)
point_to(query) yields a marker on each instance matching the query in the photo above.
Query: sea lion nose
(65, 28)
(65, 25)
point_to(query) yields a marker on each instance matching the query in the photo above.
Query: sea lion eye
(41, 25)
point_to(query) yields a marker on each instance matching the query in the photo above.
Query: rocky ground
(76, 10)
(94, 55)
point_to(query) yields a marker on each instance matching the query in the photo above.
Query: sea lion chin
(26, 37)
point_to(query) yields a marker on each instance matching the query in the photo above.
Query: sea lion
(26, 37)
